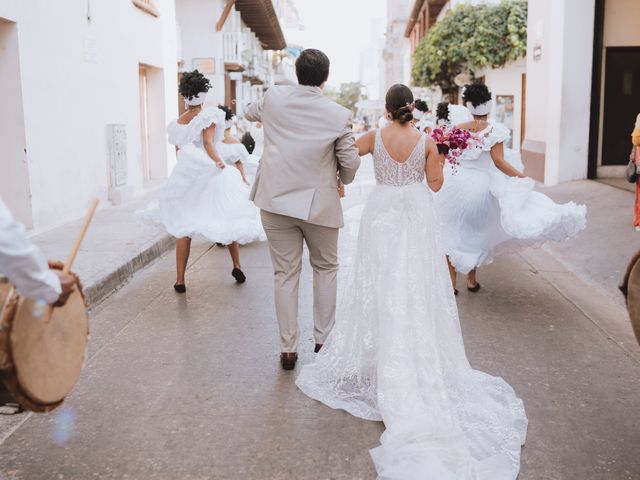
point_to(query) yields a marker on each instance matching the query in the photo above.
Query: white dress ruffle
(396, 351)
(201, 199)
(484, 213)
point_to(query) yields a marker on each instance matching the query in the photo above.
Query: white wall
(77, 77)
(508, 81)
(15, 188)
(559, 85)
(569, 90)
(197, 21)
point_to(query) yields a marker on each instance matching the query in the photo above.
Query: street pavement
(189, 387)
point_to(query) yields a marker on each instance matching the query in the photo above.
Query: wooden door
(621, 103)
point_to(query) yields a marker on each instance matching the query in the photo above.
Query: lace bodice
(390, 172)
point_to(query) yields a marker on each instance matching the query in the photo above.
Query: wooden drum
(42, 351)
(631, 289)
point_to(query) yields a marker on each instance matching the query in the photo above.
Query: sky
(342, 29)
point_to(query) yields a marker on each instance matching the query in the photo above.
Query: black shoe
(238, 275)
(180, 287)
(455, 291)
(475, 288)
(318, 347)
(288, 360)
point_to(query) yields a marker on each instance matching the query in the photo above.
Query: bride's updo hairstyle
(192, 84)
(399, 103)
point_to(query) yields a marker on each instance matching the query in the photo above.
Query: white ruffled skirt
(201, 199)
(396, 354)
(485, 213)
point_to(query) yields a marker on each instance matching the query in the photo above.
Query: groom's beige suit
(307, 140)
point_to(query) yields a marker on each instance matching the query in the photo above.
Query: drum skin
(631, 289)
(41, 360)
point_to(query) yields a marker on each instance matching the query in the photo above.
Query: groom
(307, 141)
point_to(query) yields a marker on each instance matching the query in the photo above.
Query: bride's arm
(208, 138)
(434, 166)
(365, 143)
(497, 155)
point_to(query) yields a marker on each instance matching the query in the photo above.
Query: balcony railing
(232, 45)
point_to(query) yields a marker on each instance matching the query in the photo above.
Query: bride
(396, 352)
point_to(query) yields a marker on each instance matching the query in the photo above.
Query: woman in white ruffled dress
(487, 206)
(396, 352)
(202, 196)
(231, 150)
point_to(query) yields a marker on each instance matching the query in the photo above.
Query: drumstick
(76, 247)
(80, 237)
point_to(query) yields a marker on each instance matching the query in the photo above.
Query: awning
(261, 18)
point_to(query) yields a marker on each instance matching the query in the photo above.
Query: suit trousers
(286, 236)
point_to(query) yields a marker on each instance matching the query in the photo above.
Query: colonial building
(86, 90)
(508, 84)
(397, 48)
(233, 43)
(583, 89)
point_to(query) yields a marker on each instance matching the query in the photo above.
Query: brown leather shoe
(288, 360)
(318, 347)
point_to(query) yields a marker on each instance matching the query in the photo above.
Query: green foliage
(470, 37)
(349, 94)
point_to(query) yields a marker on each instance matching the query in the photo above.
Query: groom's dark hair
(312, 68)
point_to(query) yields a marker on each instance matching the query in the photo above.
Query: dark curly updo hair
(422, 105)
(477, 93)
(228, 113)
(192, 84)
(442, 111)
(399, 103)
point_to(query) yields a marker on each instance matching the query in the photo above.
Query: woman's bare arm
(434, 166)
(365, 143)
(240, 166)
(208, 137)
(497, 155)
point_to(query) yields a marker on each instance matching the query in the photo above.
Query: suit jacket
(306, 141)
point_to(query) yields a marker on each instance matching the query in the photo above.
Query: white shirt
(23, 264)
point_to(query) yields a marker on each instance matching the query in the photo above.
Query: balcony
(232, 48)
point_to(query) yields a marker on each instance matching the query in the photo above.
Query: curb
(111, 282)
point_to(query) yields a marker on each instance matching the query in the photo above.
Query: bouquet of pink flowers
(452, 141)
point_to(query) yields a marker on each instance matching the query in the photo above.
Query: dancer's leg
(183, 248)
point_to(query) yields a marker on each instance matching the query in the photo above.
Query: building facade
(84, 108)
(236, 44)
(397, 49)
(87, 88)
(507, 84)
(583, 59)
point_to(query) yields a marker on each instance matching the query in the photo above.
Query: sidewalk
(116, 246)
(599, 255)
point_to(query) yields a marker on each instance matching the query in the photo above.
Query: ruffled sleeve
(498, 133)
(182, 134)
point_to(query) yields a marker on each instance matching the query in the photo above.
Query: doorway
(621, 103)
(153, 146)
(15, 188)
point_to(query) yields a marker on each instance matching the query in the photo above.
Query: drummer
(25, 266)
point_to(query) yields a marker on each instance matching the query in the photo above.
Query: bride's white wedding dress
(396, 352)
